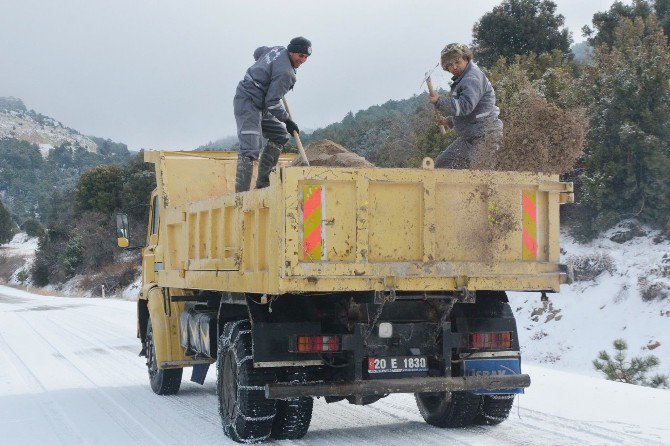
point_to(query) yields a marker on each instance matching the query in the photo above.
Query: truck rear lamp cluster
(318, 344)
(491, 340)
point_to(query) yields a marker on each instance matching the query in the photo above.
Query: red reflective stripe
(529, 242)
(313, 239)
(311, 204)
(529, 207)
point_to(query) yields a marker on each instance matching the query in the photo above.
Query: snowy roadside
(19, 253)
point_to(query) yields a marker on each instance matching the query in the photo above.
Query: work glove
(447, 121)
(291, 126)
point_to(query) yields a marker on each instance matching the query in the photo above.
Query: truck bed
(325, 229)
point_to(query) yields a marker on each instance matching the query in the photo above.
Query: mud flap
(493, 368)
(199, 373)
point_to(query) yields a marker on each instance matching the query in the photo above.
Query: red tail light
(493, 340)
(318, 344)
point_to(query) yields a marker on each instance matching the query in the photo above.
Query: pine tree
(99, 189)
(6, 225)
(635, 371)
(606, 22)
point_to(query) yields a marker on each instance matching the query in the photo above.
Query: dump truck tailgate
(412, 228)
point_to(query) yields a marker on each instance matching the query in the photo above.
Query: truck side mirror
(122, 230)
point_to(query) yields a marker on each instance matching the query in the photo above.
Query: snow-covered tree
(627, 92)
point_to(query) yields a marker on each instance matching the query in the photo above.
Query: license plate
(493, 368)
(398, 364)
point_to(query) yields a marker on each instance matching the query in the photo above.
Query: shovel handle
(296, 136)
(429, 82)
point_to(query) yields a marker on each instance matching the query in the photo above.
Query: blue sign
(493, 368)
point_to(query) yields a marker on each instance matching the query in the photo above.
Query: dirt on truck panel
(343, 282)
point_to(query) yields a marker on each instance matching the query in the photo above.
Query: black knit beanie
(300, 45)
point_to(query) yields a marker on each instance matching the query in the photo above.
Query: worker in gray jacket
(259, 111)
(470, 110)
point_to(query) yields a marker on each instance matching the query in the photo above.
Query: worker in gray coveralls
(470, 110)
(258, 108)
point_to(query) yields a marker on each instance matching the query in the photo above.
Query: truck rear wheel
(448, 409)
(494, 409)
(294, 415)
(246, 414)
(163, 381)
(292, 419)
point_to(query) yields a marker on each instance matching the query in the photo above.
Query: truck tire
(460, 409)
(163, 381)
(448, 409)
(494, 409)
(294, 415)
(246, 415)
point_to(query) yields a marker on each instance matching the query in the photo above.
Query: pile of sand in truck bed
(328, 153)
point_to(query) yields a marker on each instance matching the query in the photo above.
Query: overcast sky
(161, 74)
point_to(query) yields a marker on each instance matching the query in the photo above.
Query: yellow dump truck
(342, 283)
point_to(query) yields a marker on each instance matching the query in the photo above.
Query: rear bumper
(381, 387)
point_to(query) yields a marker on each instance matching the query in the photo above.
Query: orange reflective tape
(529, 226)
(313, 240)
(312, 231)
(312, 202)
(529, 205)
(529, 246)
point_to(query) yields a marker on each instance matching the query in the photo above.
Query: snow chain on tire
(246, 414)
(494, 409)
(294, 415)
(448, 409)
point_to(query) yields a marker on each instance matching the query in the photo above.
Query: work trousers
(252, 123)
(472, 152)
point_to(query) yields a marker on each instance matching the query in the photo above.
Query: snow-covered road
(70, 374)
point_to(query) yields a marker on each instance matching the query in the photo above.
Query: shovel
(296, 135)
(429, 83)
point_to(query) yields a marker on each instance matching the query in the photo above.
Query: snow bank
(22, 250)
(585, 317)
(21, 245)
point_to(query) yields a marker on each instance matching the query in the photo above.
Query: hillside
(366, 132)
(621, 290)
(397, 133)
(582, 51)
(40, 158)
(17, 122)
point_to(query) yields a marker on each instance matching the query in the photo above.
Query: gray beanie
(300, 45)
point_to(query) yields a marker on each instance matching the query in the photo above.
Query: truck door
(152, 259)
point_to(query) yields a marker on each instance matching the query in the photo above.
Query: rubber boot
(245, 167)
(267, 161)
